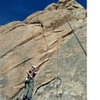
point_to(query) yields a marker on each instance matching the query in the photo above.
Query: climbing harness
(77, 39)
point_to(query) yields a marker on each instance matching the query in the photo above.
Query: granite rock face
(46, 39)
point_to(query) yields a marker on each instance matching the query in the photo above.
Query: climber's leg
(27, 80)
(24, 97)
(26, 89)
(31, 85)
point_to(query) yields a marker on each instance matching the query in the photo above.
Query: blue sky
(12, 10)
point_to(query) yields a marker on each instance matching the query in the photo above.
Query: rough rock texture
(46, 39)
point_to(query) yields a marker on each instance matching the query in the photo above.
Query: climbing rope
(76, 39)
(75, 34)
(57, 65)
(57, 60)
(57, 47)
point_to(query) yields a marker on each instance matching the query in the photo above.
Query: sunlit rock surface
(46, 39)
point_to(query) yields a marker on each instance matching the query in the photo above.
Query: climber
(29, 83)
(30, 74)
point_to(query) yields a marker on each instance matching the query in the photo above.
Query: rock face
(55, 41)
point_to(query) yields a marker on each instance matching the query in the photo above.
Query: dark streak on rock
(16, 94)
(47, 83)
(42, 63)
(21, 63)
(11, 29)
(25, 41)
(67, 34)
(39, 13)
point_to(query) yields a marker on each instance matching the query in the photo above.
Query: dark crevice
(46, 45)
(38, 13)
(38, 22)
(16, 93)
(20, 44)
(75, 7)
(47, 83)
(42, 63)
(21, 63)
(11, 29)
(67, 34)
(19, 84)
(18, 65)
